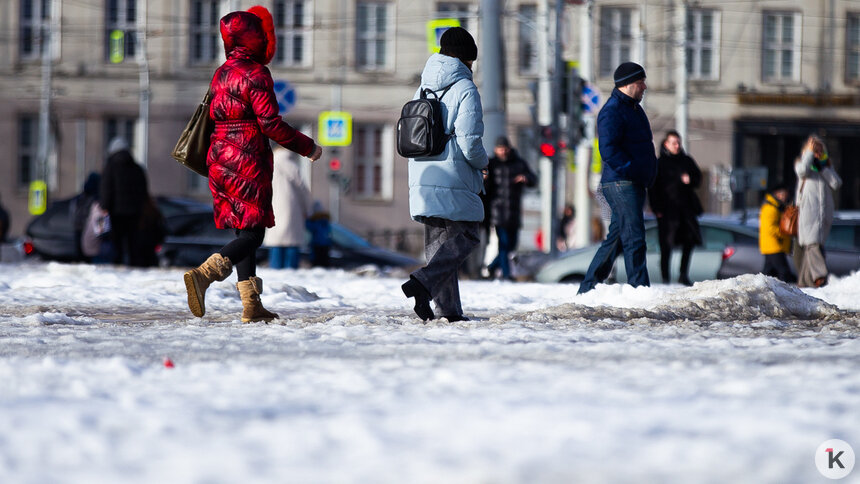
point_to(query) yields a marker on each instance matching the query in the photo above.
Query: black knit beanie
(458, 42)
(628, 73)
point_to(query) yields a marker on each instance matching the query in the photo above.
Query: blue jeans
(626, 234)
(284, 257)
(507, 244)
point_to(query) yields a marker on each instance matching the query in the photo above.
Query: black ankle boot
(414, 288)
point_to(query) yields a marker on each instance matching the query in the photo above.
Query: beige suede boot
(216, 268)
(252, 307)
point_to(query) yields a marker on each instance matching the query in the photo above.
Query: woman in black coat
(675, 204)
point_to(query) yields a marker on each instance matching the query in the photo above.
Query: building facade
(762, 76)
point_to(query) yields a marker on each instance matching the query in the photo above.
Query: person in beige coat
(291, 202)
(816, 182)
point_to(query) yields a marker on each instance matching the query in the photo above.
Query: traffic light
(572, 87)
(335, 164)
(547, 145)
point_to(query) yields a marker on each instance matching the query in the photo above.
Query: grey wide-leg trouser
(447, 244)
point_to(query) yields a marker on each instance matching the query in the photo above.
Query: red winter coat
(246, 114)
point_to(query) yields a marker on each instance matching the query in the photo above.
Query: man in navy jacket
(629, 167)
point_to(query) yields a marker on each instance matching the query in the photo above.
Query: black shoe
(413, 288)
(685, 281)
(456, 317)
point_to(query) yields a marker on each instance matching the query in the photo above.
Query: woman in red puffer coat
(246, 116)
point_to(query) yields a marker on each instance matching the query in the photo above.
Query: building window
(852, 50)
(121, 18)
(34, 22)
(459, 11)
(372, 42)
(528, 56)
(781, 47)
(703, 44)
(293, 26)
(617, 38)
(205, 31)
(28, 128)
(120, 127)
(373, 163)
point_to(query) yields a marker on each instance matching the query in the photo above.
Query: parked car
(841, 250)
(719, 237)
(192, 237)
(51, 236)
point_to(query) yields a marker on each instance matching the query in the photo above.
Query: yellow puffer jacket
(770, 240)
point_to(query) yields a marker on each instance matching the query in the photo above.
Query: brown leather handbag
(193, 145)
(788, 219)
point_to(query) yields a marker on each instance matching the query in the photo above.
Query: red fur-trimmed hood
(250, 33)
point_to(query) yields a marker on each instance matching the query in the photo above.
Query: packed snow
(730, 381)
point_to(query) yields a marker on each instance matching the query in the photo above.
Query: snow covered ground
(726, 382)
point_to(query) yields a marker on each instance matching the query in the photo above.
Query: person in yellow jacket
(774, 245)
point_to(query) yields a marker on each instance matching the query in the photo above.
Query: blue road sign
(590, 99)
(286, 96)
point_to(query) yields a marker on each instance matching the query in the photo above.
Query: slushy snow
(733, 381)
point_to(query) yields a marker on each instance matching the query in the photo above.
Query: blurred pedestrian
(152, 232)
(291, 203)
(675, 204)
(566, 226)
(773, 244)
(443, 189)
(95, 243)
(4, 223)
(629, 166)
(319, 225)
(245, 112)
(507, 175)
(816, 182)
(82, 206)
(123, 193)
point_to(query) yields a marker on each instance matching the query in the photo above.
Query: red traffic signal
(547, 149)
(334, 164)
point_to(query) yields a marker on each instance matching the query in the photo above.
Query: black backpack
(421, 129)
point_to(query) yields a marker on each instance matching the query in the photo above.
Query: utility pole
(582, 193)
(143, 67)
(682, 113)
(334, 179)
(493, 69)
(545, 118)
(45, 101)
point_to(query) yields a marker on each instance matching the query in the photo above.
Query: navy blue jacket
(625, 141)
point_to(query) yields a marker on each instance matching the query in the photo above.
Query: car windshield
(343, 237)
(713, 238)
(845, 237)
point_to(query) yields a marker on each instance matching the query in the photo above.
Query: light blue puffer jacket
(447, 185)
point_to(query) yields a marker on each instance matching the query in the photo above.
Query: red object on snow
(168, 363)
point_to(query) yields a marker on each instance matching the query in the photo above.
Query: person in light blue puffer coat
(444, 190)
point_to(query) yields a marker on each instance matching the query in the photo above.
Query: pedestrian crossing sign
(37, 201)
(335, 128)
(435, 29)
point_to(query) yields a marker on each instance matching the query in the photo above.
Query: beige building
(762, 75)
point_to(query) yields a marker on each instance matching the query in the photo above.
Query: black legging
(242, 251)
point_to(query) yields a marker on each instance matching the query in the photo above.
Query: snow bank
(744, 298)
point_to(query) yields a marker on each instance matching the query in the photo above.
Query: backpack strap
(438, 97)
(444, 90)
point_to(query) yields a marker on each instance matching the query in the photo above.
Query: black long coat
(504, 197)
(675, 202)
(123, 186)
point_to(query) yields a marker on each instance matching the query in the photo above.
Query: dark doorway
(776, 145)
